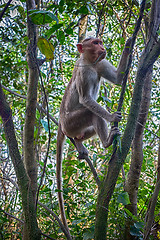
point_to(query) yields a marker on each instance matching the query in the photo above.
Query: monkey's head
(92, 49)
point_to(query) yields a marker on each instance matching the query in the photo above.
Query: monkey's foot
(114, 131)
(81, 149)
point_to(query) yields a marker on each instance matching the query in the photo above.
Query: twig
(49, 140)
(39, 107)
(57, 218)
(136, 19)
(45, 235)
(93, 170)
(99, 19)
(10, 215)
(4, 9)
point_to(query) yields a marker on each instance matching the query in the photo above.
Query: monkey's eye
(96, 42)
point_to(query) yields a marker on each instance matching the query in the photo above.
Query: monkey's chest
(94, 88)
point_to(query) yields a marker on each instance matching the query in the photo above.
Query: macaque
(81, 117)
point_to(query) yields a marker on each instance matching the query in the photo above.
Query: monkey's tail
(60, 142)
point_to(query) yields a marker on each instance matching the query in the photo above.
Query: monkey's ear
(80, 47)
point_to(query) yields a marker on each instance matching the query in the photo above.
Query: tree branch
(57, 218)
(151, 209)
(23, 180)
(4, 9)
(93, 170)
(39, 107)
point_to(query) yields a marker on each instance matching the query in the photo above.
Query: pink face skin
(92, 50)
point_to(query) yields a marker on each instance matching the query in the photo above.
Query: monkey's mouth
(101, 56)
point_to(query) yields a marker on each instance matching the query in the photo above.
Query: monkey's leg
(87, 133)
(77, 124)
(101, 128)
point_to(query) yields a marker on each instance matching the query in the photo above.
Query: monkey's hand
(116, 117)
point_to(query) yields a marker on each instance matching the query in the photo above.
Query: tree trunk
(132, 181)
(29, 148)
(33, 232)
(29, 151)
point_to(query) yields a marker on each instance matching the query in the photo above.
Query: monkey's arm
(108, 71)
(86, 90)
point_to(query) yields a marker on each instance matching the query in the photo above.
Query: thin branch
(93, 170)
(49, 133)
(39, 107)
(99, 18)
(136, 18)
(4, 9)
(11, 216)
(133, 39)
(45, 235)
(57, 218)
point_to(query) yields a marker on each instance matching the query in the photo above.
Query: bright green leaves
(123, 198)
(41, 17)
(46, 48)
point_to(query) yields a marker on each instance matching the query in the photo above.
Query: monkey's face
(96, 50)
(92, 50)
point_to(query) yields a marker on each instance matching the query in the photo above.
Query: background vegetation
(34, 89)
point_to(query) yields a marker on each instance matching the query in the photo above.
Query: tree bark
(132, 181)
(150, 216)
(29, 151)
(23, 180)
(29, 148)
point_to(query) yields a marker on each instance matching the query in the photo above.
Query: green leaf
(123, 198)
(44, 124)
(88, 233)
(50, 165)
(61, 37)
(119, 143)
(135, 232)
(41, 17)
(83, 10)
(117, 140)
(53, 29)
(129, 214)
(139, 225)
(46, 48)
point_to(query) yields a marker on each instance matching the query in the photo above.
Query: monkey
(81, 117)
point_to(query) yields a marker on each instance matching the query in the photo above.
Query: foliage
(58, 27)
